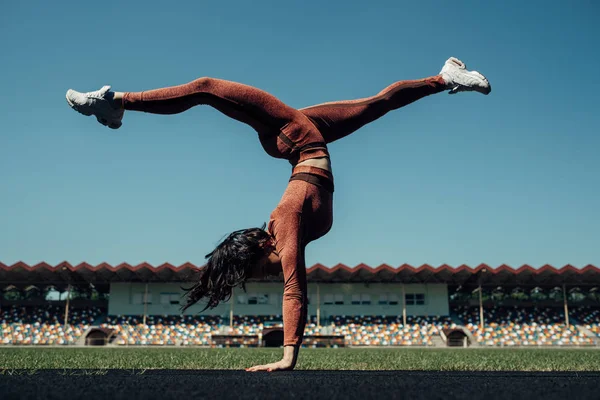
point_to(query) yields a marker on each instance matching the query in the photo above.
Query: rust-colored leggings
(265, 113)
(305, 211)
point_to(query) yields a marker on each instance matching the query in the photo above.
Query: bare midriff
(321, 162)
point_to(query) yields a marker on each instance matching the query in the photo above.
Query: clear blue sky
(511, 178)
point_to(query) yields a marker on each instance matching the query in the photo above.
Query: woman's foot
(460, 79)
(101, 103)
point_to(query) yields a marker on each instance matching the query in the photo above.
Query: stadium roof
(21, 274)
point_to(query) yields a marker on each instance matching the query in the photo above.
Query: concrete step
(81, 340)
(438, 341)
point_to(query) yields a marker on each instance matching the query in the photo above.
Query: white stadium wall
(265, 299)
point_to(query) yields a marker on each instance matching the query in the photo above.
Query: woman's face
(269, 265)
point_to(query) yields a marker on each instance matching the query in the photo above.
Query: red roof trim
(383, 267)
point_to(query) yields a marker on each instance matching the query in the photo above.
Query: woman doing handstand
(301, 136)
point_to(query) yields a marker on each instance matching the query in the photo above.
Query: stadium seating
(587, 316)
(358, 331)
(504, 326)
(253, 324)
(44, 325)
(516, 326)
(389, 331)
(190, 330)
(164, 330)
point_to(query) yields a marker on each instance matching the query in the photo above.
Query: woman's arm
(295, 302)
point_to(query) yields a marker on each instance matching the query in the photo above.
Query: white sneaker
(96, 103)
(460, 79)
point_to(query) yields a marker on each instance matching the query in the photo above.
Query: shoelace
(97, 94)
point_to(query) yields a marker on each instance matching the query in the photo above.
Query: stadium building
(359, 306)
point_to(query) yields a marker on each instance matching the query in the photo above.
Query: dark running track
(195, 385)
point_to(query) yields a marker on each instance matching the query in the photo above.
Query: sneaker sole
(482, 87)
(111, 125)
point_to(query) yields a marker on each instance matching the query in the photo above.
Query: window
(339, 299)
(355, 299)
(420, 299)
(393, 300)
(169, 299)
(255, 298)
(365, 299)
(328, 299)
(263, 299)
(252, 298)
(413, 299)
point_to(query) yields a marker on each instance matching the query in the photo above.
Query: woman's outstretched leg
(247, 104)
(336, 120)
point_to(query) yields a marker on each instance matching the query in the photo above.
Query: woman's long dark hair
(229, 265)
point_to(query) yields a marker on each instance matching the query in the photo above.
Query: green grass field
(310, 359)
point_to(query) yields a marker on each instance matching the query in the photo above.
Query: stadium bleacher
(44, 325)
(389, 331)
(253, 324)
(163, 330)
(189, 330)
(504, 326)
(518, 326)
(589, 317)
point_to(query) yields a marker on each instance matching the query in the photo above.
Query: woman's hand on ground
(283, 365)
